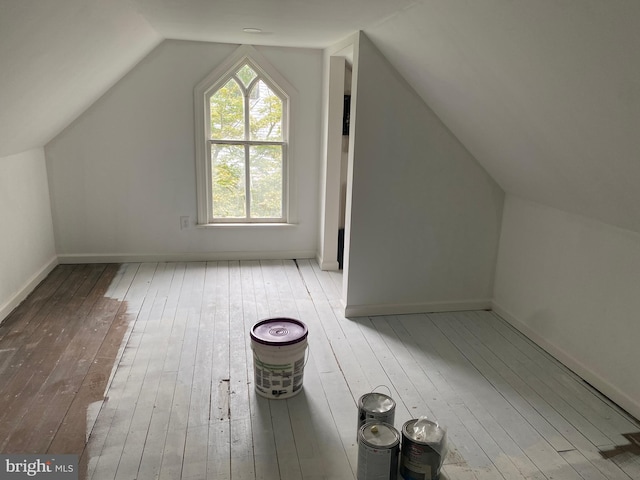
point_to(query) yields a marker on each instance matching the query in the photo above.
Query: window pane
(265, 113)
(228, 177)
(266, 181)
(246, 74)
(227, 112)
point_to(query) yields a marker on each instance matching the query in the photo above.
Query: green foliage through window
(247, 148)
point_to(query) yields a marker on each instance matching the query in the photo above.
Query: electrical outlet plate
(184, 223)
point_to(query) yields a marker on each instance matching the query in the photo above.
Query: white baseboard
(27, 288)
(406, 308)
(180, 257)
(629, 404)
(327, 265)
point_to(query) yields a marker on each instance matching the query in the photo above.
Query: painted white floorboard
(182, 403)
(522, 391)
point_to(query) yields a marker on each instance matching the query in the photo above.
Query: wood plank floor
(145, 371)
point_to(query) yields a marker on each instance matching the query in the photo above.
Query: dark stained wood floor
(145, 372)
(57, 352)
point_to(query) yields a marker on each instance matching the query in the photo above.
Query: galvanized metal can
(378, 450)
(376, 406)
(422, 450)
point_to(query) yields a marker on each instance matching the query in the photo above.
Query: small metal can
(378, 451)
(422, 450)
(376, 406)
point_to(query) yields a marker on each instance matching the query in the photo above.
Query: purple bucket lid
(279, 331)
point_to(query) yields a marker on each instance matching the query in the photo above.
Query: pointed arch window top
(246, 74)
(250, 112)
(243, 165)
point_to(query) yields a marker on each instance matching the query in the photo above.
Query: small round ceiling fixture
(252, 30)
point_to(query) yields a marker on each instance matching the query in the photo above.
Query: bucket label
(278, 379)
(418, 462)
(376, 463)
(411, 470)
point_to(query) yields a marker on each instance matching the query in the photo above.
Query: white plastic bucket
(279, 346)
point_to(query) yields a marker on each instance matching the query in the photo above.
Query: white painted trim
(27, 288)
(247, 225)
(329, 266)
(181, 257)
(332, 150)
(405, 308)
(629, 404)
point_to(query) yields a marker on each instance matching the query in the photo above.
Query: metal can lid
(379, 434)
(279, 331)
(423, 431)
(377, 402)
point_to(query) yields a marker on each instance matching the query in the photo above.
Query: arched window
(242, 155)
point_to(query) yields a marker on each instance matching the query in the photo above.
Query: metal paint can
(376, 406)
(378, 450)
(422, 450)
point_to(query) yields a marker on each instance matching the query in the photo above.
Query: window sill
(246, 225)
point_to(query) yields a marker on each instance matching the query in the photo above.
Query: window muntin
(247, 154)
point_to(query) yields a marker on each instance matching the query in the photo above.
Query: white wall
(423, 217)
(572, 284)
(544, 94)
(123, 173)
(27, 250)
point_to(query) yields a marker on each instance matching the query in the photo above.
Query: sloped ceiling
(57, 57)
(545, 94)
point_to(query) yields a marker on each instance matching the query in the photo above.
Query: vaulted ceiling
(57, 58)
(545, 94)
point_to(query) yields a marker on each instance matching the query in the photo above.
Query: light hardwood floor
(145, 371)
